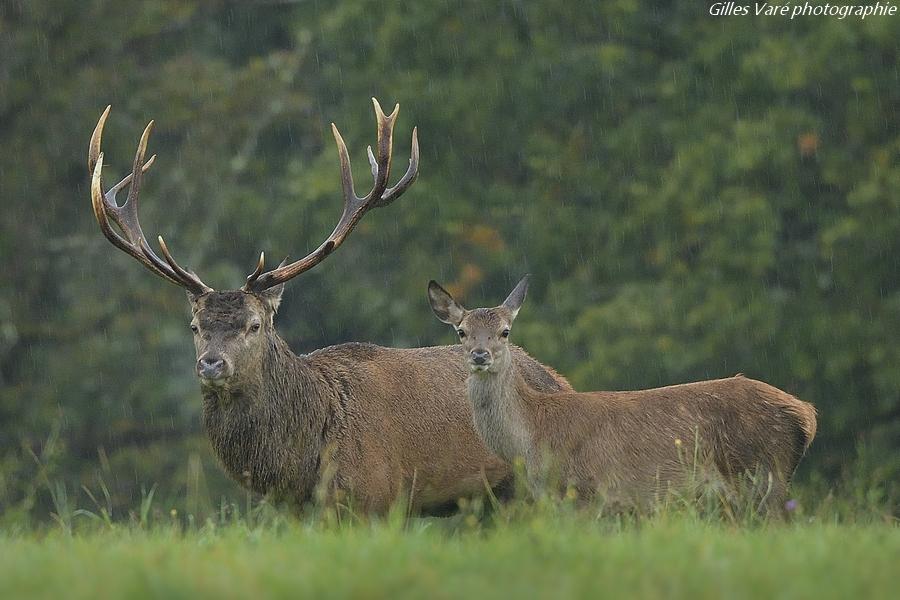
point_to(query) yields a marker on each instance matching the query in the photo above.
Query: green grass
(542, 554)
(844, 545)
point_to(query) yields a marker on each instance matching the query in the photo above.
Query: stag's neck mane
(499, 410)
(273, 421)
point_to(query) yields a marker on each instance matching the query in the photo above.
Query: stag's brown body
(633, 446)
(366, 421)
(369, 422)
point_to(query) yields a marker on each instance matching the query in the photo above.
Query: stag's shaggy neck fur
(269, 428)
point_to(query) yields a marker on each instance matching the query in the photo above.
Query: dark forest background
(694, 196)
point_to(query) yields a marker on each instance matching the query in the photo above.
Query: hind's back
(637, 441)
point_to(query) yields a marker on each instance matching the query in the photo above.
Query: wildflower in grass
(790, 505)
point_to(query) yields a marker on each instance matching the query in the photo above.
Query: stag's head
(232, 333)
(233, 329)
(483, 332)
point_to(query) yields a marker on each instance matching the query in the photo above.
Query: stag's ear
(192, 298)
(271, 297)
(516, 297)
(444, 306)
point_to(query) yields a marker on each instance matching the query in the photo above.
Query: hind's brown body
(634, 445)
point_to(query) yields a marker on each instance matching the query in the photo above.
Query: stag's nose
(211, 367)
(480, 357)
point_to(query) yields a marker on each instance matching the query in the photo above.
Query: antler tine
(132, 240)
(260, 264)
(354, 206)
(94, 154)
(408, 178)
(346, 170)
(381, 166)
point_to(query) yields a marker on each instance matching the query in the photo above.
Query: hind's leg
(771, 496)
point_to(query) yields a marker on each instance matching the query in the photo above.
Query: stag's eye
(461, 334)
(504, 333)
(254, 328)
(194, 328)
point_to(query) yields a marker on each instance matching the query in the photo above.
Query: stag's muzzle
(212, 368)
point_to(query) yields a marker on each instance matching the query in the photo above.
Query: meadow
(828, 547)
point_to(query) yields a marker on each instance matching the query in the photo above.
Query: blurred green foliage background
(695, 197)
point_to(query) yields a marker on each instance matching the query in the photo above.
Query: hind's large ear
(272, 296)
(444, 306)
(516, 297)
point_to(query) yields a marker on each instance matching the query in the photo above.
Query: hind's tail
(806, 417)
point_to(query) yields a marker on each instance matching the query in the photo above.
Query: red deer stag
(628, 446)
(362, 421)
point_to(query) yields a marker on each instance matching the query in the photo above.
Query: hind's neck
(499, 411)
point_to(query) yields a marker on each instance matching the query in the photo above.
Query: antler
(354, 206)
(132, 240)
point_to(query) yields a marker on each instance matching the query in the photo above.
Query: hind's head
(483, 332)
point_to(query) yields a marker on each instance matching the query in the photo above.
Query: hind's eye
(504, 333)
(461, 334)
(194, 328)
(254, 328)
